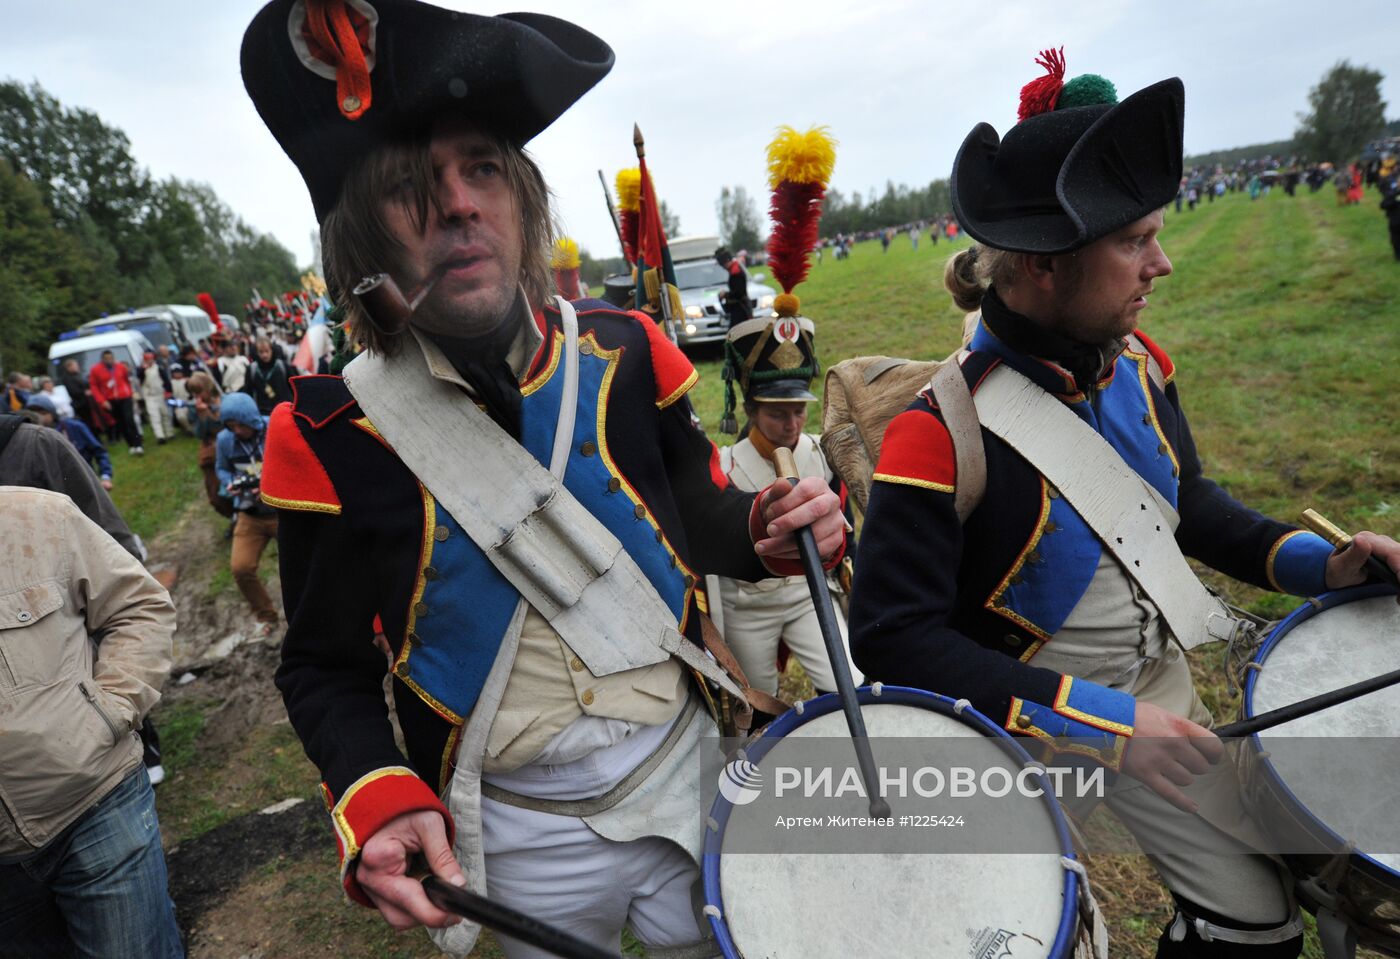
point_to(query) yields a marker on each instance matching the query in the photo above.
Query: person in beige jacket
(85, 643)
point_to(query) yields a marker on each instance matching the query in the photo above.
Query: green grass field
(1283, 318)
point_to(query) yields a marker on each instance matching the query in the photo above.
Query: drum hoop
(1065, 934)
(1280, 789)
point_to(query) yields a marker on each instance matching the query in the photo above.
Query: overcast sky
(899, 82)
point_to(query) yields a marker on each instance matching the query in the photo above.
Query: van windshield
(700, 273)
(87, 359)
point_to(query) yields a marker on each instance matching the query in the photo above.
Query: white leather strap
(560, 558)
(1112, 499)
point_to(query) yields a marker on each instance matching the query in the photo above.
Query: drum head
(1338, 764)
(894, 903)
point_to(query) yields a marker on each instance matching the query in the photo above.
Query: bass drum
(1324, 786)
(770, 905)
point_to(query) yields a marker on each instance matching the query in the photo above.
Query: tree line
(85, 230)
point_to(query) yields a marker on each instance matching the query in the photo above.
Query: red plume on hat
(1042, 93)
(206, 303)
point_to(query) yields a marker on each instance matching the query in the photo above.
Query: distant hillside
(1235, 154)
(1281, 148)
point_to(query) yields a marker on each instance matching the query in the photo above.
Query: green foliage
(897, 205)
(1345, 110)
(1279, 148)
(670, 221)
(739, 225)
(87, 231)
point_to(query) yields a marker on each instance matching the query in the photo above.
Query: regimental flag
(654, 265)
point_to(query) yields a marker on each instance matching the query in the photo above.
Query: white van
(193, 322)
(126, 345)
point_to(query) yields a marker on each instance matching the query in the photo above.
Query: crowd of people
(488, 434)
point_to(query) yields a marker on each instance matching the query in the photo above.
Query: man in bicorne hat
(508, 488)
(773, 360)
(1031, 606)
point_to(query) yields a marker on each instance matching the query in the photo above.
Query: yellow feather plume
(801, 157)
(564, 256)
(629, 189)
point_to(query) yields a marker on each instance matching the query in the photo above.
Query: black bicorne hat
(1062, 179)
(355, 73)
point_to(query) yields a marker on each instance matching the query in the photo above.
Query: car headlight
(694, 312)
(765, 302)
(690, 329)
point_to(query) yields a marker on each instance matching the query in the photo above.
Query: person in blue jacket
(89, 447)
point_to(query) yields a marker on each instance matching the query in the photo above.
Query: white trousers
(158, 411)
(558, 870)
(757, 616)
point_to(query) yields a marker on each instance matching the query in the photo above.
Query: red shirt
(109, 382)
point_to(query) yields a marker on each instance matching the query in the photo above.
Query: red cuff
(371, 802)
(783, 567)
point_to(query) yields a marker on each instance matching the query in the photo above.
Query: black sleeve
(902, 607)
(716, 521)
(331, 676)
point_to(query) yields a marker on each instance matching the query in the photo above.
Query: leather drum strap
(1108, 495)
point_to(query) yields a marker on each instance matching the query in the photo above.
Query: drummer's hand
(1348, 568)
(383, 868)
(1167, 751)
(787, 508)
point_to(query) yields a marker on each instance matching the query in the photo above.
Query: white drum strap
(560, 558)
(1210, 932)
(1114, 501)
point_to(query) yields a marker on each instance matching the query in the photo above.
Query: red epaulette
(292, 477)
(672, 369)
(1158, 354)
(918, 451)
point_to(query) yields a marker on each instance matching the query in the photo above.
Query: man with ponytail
(1033, 604)
(505, 489)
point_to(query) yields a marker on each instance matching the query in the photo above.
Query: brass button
(1050, 526)
(440, 534)
(401, 670)
(588, 448)
(1033, 556)
(1176, 471)
(1023, 721)
(586, 348)
(673, 560)
(587, 697)
(1147, 419)
(412, 639)
(576, 665)
(1016, 579)
(430, 572)
(689, 581)
(350, 104)
(420, 609)
(1011, 639)
(660, 537)
(614, 485)
(1161, 447)
(640, 512)
(1051, 491)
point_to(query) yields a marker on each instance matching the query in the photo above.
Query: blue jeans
(98, 889)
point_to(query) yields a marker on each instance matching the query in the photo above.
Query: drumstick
(502, 918)
(1306, 707)
(835, 651)
(1320, 525)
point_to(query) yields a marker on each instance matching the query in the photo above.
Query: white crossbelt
(1127, 514)
(561, 559)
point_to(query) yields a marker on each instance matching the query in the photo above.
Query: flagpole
(668, 321)
(612, 214)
